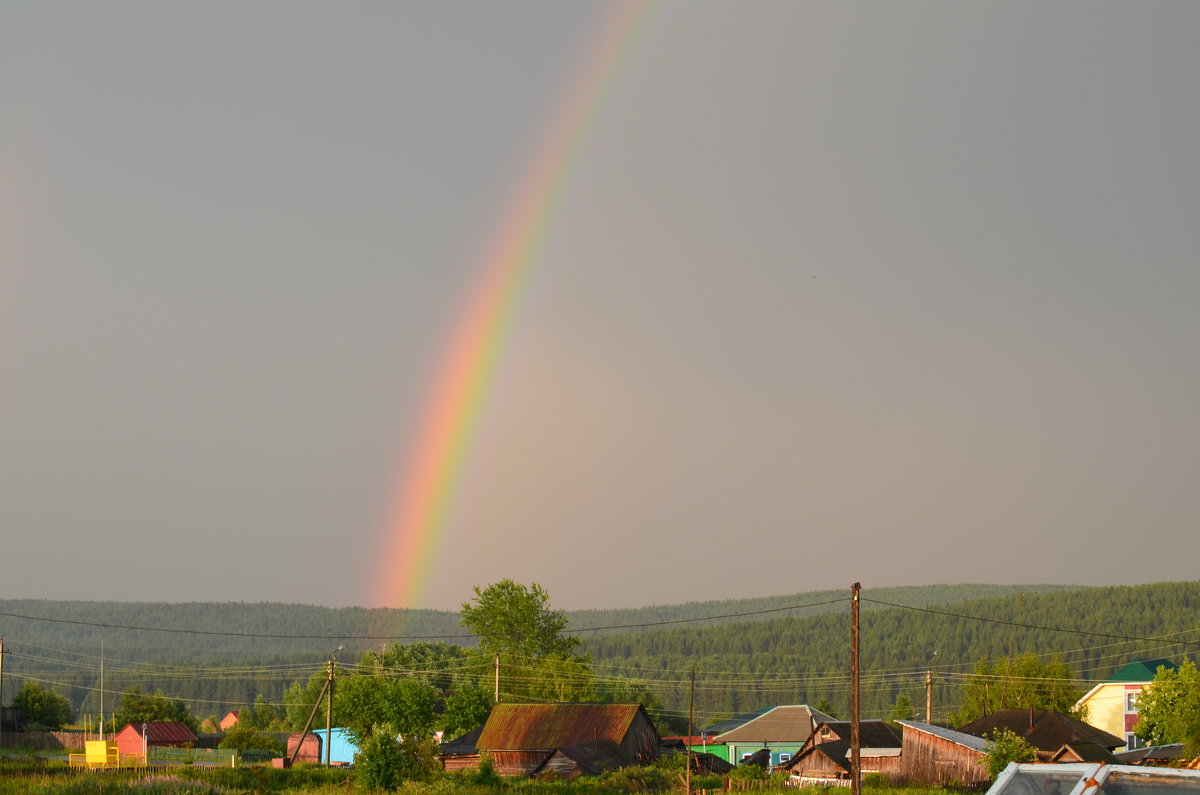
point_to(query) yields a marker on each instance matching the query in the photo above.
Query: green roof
(1140, 671)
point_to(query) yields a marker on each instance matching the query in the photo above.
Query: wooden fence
(45, 741)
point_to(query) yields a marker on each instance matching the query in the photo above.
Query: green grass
(33, 776)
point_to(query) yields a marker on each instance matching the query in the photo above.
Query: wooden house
(825, 756)
(137, 738)
(936, 756)
(586, 759)
(523, 738)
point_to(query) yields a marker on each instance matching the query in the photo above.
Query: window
(1132, 741)
(784, 758)
(746, 756)
(1131, 699)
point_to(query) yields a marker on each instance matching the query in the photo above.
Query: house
(937, 756)
(781, 730)
(229, 721)
(585, 759)
(137, 738)
(1046, 730)
(1112, 705)
(825, 756)
(523, 738)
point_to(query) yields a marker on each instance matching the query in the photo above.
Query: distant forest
(748, 654)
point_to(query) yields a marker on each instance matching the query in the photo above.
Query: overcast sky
(898, 293)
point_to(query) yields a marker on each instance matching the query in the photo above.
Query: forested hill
(805, 660)
(796, 605)
(225, 631)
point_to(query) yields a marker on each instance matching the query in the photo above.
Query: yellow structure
(103, 755)
(1112, 704)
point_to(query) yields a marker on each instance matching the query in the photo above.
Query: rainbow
(426, 493)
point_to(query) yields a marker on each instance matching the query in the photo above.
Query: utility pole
(929, 689)
(496, 697)
(1, 681)
(691, 724)
(101, 689)
(855, 739)
(329, 709)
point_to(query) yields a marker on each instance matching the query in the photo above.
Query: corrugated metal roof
(1140, 670)
(792, 723)
(534, 727)
(166, 732)
(956, 737)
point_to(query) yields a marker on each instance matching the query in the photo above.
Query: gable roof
(593, 758)
(1044, 729)
(720, 727)
(792, 723)
(956, 737)
(1140, 671)
(544, 727)
(871, 733)
(1084, 752)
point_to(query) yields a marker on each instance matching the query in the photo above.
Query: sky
(897, 293)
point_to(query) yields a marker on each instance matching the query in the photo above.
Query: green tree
(384, 763)
(901, 710)
(1170, 708)
(262, 715)
(299, 700)
(366, 705)
(466, 709)
(515, 623)
(1021, 683)
(516, 619)
(440, 665)
(244, 738)
(43, 707)
(139, 707)
(1006, 746)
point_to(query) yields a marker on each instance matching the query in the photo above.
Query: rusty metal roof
(532, 727)
(164, 732)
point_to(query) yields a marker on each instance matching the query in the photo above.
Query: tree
(1006, 746)
(1170, 708)
(516, 619)
(516, 623)
(262, 715)
(466, 709)
(1022, 683)
(366, 705)
(42, 707)
(901, 710)
(244, 738)
(139, 707)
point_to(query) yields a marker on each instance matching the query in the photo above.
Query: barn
(522, 738)
(137, 738)
(937, 756)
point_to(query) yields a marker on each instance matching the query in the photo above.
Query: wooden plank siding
(934, 760)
